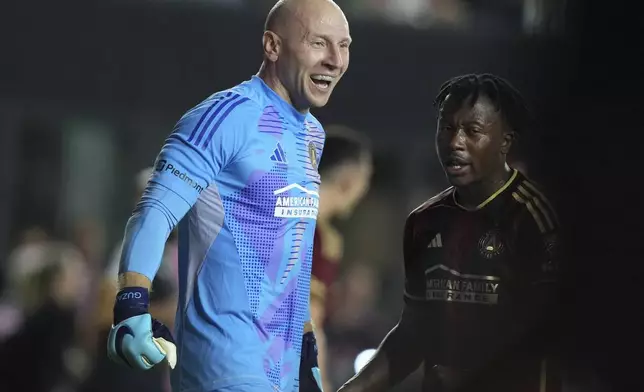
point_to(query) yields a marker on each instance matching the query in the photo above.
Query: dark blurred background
(90, 89)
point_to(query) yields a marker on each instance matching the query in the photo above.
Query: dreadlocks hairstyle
(503, 95)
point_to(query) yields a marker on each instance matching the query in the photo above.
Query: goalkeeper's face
(314, 54)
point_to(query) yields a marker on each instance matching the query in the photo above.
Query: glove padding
(136, 339)
(310, 378)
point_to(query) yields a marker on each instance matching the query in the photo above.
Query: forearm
(134, 279)
(146, 234)
(398, 356)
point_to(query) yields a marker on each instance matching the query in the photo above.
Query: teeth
(322, 78)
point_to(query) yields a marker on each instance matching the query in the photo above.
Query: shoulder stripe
(218, 107)
(528, 203)
(212, 118)
(531, 192)
(542, 209)
(220, 120)
(212, 107)
(542, 198)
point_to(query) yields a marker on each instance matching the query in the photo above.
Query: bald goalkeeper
(239, 177)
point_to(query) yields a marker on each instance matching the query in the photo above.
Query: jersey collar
(492, 196)
(291, 115)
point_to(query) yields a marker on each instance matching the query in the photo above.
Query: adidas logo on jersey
(278, 154)
(436, 242)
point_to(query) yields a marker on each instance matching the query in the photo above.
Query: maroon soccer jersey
(480, 278)
(325, 267)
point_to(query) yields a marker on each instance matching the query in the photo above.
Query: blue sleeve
(204, 142)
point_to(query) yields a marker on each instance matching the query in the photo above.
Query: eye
(318, 44)
(344, 45)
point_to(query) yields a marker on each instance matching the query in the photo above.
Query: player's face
(471, 141)
(315, 56)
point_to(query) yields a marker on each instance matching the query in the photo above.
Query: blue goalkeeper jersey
(239, 176)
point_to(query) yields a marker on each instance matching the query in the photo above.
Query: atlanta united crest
(490, 244)
(313, 155)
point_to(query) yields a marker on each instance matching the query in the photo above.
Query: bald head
(286, 13)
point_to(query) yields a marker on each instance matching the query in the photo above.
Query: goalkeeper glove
(136, 339)
(310, 378)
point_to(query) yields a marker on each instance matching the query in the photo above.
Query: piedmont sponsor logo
(163, 166)
(304, 205)
(457, 287)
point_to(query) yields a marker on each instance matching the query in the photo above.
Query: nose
(457, 140)
(334, 60)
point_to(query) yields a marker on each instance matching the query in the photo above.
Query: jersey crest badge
(490, 244)
(313, 155)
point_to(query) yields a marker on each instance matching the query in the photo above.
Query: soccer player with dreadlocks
(481, 272)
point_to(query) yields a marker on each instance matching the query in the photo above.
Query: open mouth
(456, 166)
(323, 82)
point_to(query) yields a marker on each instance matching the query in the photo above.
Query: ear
(508, 138)
(272, 45)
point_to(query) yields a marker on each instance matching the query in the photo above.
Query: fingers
(169, 349)
(131, 343)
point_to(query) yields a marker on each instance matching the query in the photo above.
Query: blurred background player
(345, 174)
(238, 175)
(481, 268)
(46, 282)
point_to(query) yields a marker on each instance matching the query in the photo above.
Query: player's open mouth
(456, 167)
(456, 170)
(323, 82)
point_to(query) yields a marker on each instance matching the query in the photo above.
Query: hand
(136, 339)
(310, 378)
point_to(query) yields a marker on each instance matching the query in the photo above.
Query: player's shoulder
(531, 197)
(313, 124)
(238, 103)
(444, 198)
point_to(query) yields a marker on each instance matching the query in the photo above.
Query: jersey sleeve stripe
(543, 199)
(219, 107)
(204, 116)
(220, 120)
(532, 211)
(546, 214)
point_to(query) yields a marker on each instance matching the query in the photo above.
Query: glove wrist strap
(131, 302)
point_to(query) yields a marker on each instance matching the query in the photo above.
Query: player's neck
(269, 76)
(473, 195)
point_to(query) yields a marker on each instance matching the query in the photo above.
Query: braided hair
(505, 97)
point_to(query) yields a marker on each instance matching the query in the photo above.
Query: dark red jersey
(482, 279)
(325, 266)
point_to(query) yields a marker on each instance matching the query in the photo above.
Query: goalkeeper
(239, 177)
